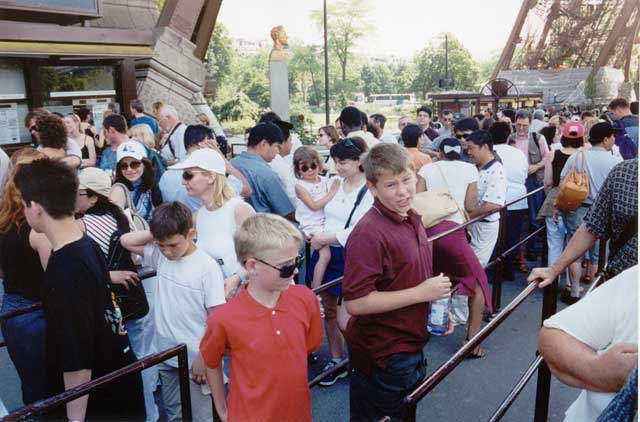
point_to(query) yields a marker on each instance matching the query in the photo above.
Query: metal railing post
(549, 307)
(412, 410)
(185, 392)
(496, 288)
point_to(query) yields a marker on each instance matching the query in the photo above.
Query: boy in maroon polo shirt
(387, 286)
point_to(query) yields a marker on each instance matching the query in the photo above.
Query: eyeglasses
(286, 271)
(189, 174)
(305, 168)
(349, 144)
(133, 165)
(446, 119)
(462, 135)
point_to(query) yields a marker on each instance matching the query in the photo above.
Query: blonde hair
(144, 134)
(386, 157)
(204, 118)
(262, 232)
(11, 208)
(221, 191)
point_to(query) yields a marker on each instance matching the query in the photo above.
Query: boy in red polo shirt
(269, 328)
(387, 286)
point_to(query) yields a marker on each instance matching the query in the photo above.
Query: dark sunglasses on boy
(305, 168)
(133, 165)
(286, 271)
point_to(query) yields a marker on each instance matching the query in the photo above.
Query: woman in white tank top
(204, 177)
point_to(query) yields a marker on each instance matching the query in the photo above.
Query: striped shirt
(100, 228)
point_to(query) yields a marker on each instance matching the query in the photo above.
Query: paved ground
(471, 393)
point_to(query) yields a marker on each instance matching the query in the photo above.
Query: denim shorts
(572, 221)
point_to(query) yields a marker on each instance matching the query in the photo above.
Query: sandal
(477, 353)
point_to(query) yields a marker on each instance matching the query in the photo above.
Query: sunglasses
(188, 174)
(462, 135)
(305, 168)
(349, 144)
(133, 165)
(286, 271)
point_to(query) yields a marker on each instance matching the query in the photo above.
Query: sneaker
(566, 297)
(334, 377)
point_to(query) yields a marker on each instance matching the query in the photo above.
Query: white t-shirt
(337, 211)
(366, 136)
(311, 221)
(516, 168)
(388, 138)
(284, 169)
(186, 288)
(492, 186)
(177, 141)
(458, 174)
(604, 318)
(215, 231)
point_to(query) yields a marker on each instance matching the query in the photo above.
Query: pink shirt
(522, 143)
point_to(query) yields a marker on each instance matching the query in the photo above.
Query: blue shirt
(147, 121)
(599, 163)
(268, 193)
(108, 159)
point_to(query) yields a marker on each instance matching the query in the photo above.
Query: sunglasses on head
(286, 271)
(350, 144)
(305, 168)
(133, 165)
(189, 174)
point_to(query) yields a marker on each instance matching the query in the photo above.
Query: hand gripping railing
(183, 369)
(497, 277)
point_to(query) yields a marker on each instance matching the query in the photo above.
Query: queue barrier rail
(179, 351)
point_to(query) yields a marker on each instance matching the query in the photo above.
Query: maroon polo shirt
(386, 252)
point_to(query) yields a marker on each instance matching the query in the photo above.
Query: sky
(402, 27)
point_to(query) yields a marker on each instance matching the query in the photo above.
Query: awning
(26, 49)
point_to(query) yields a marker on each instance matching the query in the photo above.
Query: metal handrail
(526, 377)
(21, 311)
(439, 374)
(504, 254)
(185, 395)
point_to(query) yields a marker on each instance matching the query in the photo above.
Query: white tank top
(215, 231)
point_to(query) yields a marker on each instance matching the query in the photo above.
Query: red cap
(573, 130)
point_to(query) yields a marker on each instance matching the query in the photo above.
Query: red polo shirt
(386, 252)
(268, 349)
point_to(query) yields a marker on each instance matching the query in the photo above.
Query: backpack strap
(361, 194)
(128, 202)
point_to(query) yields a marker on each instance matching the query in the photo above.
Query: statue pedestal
(279, 88)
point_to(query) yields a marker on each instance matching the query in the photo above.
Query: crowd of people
(234, 242)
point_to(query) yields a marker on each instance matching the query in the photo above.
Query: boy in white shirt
(190, 285)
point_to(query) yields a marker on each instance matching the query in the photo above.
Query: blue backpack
(628, 148)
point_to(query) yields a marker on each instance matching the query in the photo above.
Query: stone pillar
(279, 73)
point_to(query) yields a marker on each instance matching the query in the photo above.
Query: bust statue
(280, 41)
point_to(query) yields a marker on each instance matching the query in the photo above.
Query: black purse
(132, 301)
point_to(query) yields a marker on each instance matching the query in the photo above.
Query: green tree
(430, 66)
(240, 107)
(306, 77)
(346, 24)
(220, 56)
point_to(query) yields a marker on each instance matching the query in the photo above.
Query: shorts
(572, 221)
(334, 270)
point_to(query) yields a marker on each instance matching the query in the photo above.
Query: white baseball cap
(130, 148)
(206, 159)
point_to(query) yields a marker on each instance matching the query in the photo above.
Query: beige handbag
(574, 188)
(436, 205)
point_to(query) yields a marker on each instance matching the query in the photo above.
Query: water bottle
(438, 322)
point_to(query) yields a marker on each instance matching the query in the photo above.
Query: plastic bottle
(438, 322)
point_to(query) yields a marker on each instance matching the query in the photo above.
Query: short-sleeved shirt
(186, 288)
(85, 329)
(386, 252)
(522, 143)
(454, 176)
(268, 194)
(269, 348)
(516, 168)
(610, 215)
(604, 318)
(599, 163)
(108, 160)
(492, 186)
(146, 120)
(419, 158)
